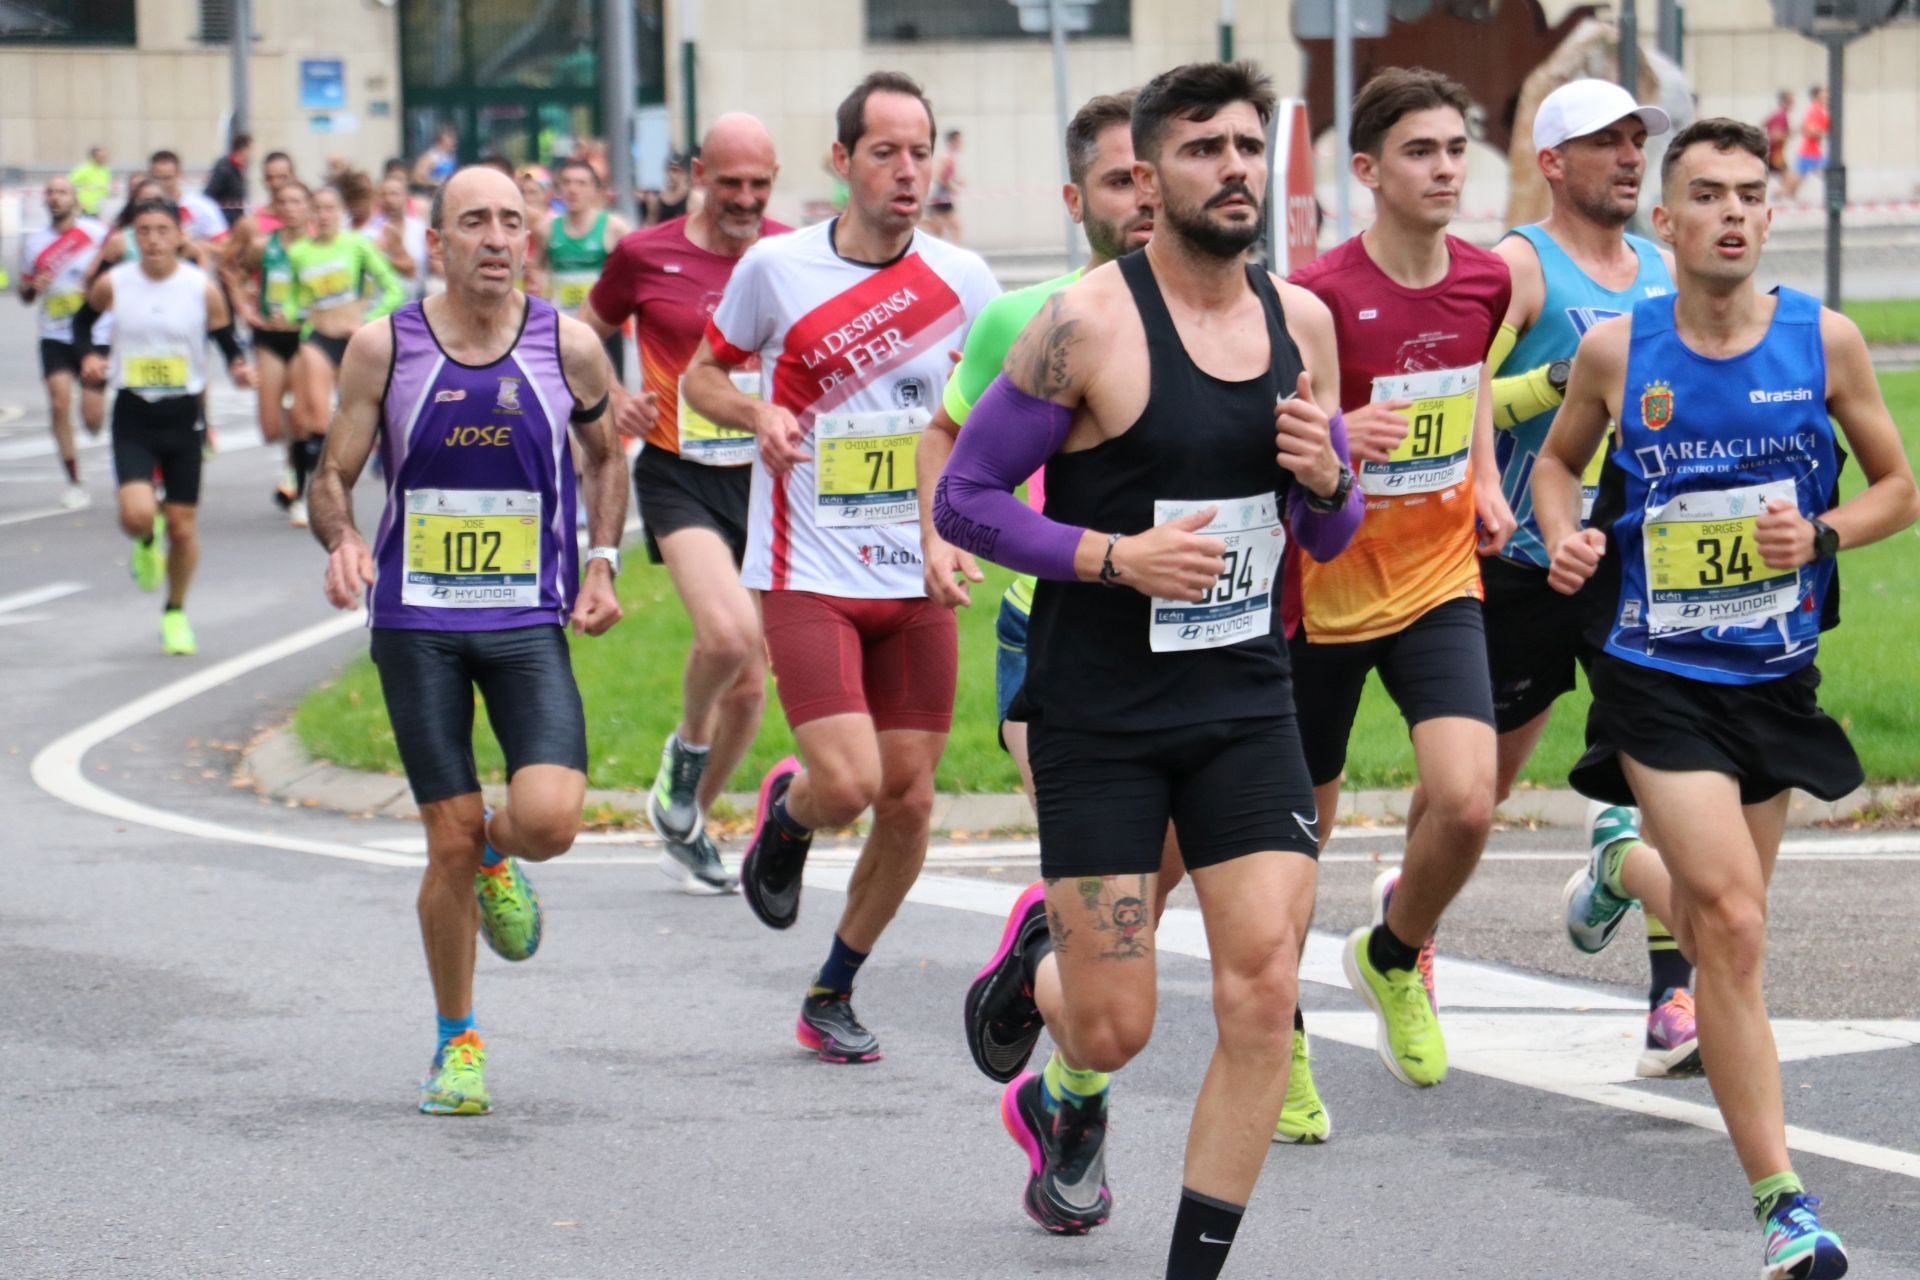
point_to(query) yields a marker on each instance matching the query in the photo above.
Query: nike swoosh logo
(1308, 824)
(1204, 1237)
(1083, 1192)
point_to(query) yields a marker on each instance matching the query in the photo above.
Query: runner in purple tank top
(473, 577)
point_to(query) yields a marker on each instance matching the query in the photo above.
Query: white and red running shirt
(64, 256)
(859, 354)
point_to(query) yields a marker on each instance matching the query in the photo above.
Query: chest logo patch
(1656, 405)
(508, 401)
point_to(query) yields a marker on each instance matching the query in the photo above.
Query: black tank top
(1090, 665)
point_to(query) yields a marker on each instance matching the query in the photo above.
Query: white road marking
(22, 517)
(39, 595)
(11, 413)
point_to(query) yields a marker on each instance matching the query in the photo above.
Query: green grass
(1897, 320)
(630, 679)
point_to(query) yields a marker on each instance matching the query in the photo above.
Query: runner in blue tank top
(474, 576)
(1570, 272)
(1724, 541)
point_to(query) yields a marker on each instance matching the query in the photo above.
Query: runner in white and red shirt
(853, 322)
(53, 274)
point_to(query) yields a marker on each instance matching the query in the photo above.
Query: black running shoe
(770, 876)
(1002, 1020)
(696, 864)
(829, 1027)
(1066, 1156)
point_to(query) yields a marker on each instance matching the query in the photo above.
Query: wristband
(1110, 576)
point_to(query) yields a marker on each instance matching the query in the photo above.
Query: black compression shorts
(163, 435)
(58, 357)
(674, 494)
(284, 343)
(1535, 638)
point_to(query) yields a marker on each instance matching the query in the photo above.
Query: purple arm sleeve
(1007, 436)
(1324, 535)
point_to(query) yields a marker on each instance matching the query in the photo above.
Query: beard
(1111, 240)
(1600, 208)
(1213, 238)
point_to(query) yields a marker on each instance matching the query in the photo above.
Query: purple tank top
(478, 534)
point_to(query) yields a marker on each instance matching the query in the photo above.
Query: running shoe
(1593, 911)
(829, 1027)
(1383, 886)
(770, 876)
(1066, 1156)
(1304, 1118)
(510, 914)
(148, 563)
(297, 513)
(673, 806)
(74, 497)
(1409, 1041)
(1001, 1018)
(456, 1083)
(1673, 1045)
(1798, 1247)
(176, 634)
(287, 490)
(698, 867)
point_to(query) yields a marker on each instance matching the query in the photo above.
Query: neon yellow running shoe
(456, 1083)
(509, 910)
(1304, 1118)
(148, 563)
(1410, 1042)
(176, 633)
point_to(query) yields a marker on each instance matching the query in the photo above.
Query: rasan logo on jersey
(1792, 396)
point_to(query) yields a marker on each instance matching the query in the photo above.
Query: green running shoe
(148, 563)
(673, 806)
(1593, 911)
(509, 910)
(176, 633)
(1410, 1042)
(1303, 1119)
(456, 1083)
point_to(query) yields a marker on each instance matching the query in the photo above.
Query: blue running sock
(837, 974)
(788, 825)
(488, 857)
(452, 1027)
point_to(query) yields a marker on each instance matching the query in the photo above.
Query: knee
(1729, 930)
(1114, 1041)
(136, 524)
(1254, 1004)
(545, 830)
(748, 692)
(838, 795)
(907, 805)
(1466, 808)
(725, 644)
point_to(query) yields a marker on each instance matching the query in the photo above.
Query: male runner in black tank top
(1157, 385)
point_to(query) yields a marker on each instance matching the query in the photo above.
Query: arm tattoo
(1120, 910)
(1049, 356)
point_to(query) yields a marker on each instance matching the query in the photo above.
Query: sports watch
(1826, 539)
(610, 554)
(1335, 500)
(1557, 374)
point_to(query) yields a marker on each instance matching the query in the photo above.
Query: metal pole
(1667, 32)
(1056, 21)
(1836, 175)
(1630, 47)
(689, 87)
(1226, 30)
(240, 33)
(1343, 115)
(618, 61)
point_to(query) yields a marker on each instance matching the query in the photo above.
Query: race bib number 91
(864, 467)
(472, 549)
(1239, 606)
(1703, 567)
(1433, 455)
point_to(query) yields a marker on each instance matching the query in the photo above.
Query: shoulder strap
(1154, 316)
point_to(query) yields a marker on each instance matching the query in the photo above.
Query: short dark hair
(294, 184)
(575, 162)
(163, 157)
(1720, 133)
(1397, 92)
(271, 156)
(850, 121)
(153, 204)
(353, 186)
(241, 141)
(1196, 91)
(1095, 117)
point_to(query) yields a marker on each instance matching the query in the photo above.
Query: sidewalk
(277, 765)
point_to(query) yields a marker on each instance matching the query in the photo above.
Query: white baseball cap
(1580, 107)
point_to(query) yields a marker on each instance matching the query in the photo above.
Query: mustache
(1231, 190)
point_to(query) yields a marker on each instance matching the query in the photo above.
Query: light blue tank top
(1574, 303)
(1703, 443)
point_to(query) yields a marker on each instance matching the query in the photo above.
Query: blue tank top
(1574, 303)
(1702, 445)
(478, 534)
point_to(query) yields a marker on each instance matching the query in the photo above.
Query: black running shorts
(616, 349)
(675, 494)
(283, 343)
(1535, 637)
(1230, 787)
(1435, 666)
(526, 676)
(58, 357)
(334, 349)
(163, 435)
(1770, 736)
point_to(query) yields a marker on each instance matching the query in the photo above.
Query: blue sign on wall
(323, 84)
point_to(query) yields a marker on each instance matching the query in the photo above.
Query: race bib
(707, 442)
(331, 286)
(864, 467)
(64, 306)
(472, 549)
(1703, 567)
(1433, 456)
(570, 289)
(154, 373)
(1240, 604)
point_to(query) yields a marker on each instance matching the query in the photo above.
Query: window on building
(907, 20)
(216, 21)
(66, 22)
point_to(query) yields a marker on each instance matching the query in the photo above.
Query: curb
(276, 764)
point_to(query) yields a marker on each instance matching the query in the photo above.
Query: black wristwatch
(1335, 500)
(1557, 374)
(1826, 539)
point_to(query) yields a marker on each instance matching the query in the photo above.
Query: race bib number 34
(1703, 567)
(1433, 456)
(864, 467)
(707, 442)
(472, 549)
(1239, 606)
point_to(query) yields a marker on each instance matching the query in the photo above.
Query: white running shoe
(75, 497)
(297, 513)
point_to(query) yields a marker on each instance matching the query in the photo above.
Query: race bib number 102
(472, 549)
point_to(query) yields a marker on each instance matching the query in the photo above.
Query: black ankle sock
(1385, 950)
(1299, 1019)
(1203, 1231)
(306, 460)
(1670, 969)
(787, 824)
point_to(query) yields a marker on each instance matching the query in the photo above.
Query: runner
(92, 181)
(164, 312)
(692, 477)
(1570, 272)
(1722, 481)
(1812, 156)
(942, 219)
(395, 211)
(469, 396)
(1779, 128)
(200, 218)
(53, 272)
(572, 249)
(855, 316)
(270, 305)
(1158, 681)
(331, 268)
(1415, 311)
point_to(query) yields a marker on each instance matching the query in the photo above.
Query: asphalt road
(213, 1016)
